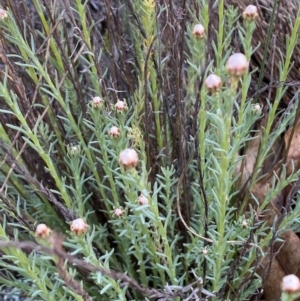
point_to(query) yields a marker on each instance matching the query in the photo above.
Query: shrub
(137, 156)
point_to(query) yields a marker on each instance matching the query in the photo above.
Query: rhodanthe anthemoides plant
(143, 154)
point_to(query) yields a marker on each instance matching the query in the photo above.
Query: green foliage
(60, 158)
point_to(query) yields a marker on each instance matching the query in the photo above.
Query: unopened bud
(128, 158)
(290, 284)
(205, 251)
(74, 150)
(250, 13)
(3, 14)
(79, 226)
(42, 231)
(119, 212)
(114, 132)
(199, 31)
(121, 106)
(245, 224)
(256, 108)
(97, 102)
(213, 83)
(237, 65)
(142, 200)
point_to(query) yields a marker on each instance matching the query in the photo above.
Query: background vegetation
(206, 205)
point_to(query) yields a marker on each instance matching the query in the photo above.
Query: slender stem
(267, 47)
(223, 187)
(220, 35)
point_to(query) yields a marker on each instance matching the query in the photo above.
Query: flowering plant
(145, 154)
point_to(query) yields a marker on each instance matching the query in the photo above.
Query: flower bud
(121, 106)
(290, 284)
(79, 226)
(213, 83)
(74, 150)
(114, 132)
(199, 31)
(142, 200)
(97, 102)
(119, 212)
(128, 158)
(205, 251)
(245, 224)
(250, 13)
(237, 65)
(42, 231)
(3, 14)
(256, 108)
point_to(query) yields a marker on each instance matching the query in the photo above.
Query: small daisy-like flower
(121, 106)
(97, 102)
(199, 31)
(114, 132)
(79, 226)
(128, 158)
(250, 13)
(237, 64)
(290, 284)
(213, 83)
(142, 200)
(42, 231)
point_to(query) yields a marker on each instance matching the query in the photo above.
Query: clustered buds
(290, 284)
(213, 83)
(42, 231)
(250, 13)
(121, 106)
(128, 158)
(114, 132)
(97, 102)
(237, 65)
(3, 14)
(79, 226)
(119, 212)
(199, 31)
(142, 200)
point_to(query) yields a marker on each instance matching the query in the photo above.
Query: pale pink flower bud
(128, 158)
(42, 231)
(121, 106)
(97, 102)
(256, 108)
(213, 83)
(199, 31)
(290, 284)
(114, 132)
(79, 226)
(119, 212)
(237, 64)
(3, 14)
(250, 13)
(142, 200)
